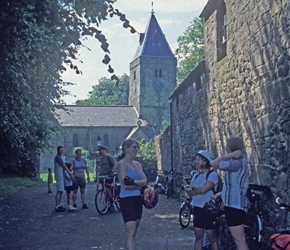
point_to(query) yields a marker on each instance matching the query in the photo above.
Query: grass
(11, 185)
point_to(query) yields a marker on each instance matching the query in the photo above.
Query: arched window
(160, 73)
(106, 140)
(75, 140)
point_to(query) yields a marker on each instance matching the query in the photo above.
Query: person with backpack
(201, 190)
(236, 183)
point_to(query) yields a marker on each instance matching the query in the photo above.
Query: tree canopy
(108, 93)
(39, 40)
(190, 49)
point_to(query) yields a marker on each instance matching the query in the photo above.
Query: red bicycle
(107, 195)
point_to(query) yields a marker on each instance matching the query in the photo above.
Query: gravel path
(28, 221)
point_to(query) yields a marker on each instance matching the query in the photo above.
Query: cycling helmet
(213, 207)
(206, 154)
(150, 197)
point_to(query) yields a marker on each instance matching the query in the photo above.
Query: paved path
(28, 221)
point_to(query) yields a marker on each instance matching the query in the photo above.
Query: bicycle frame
(107, 194)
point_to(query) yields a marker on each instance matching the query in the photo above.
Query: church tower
(152, 76)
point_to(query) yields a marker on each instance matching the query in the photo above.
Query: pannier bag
(280, 241)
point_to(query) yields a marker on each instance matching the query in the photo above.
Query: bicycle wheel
(253, 230)
(183, 195)
(169, 189)
(117, 202)
(101, 202)
(184, 215)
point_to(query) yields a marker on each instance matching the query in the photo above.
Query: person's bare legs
(83, 197)
(239, 237)
(132, 227)
(58, 198)
(75, 196)
(199, 232)
(211, 235)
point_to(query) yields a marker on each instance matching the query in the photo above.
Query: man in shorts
(59, 167)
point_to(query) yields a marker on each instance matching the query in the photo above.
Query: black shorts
(69, 189)
(234, 216)
(131, 208)
(79, 182)
(203, 220)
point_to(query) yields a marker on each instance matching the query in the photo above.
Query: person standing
(200, 189)
(107, 161)
(132, 178)
(68, 183)
(79, 167)
(236, 183)
(59, 166)
(49, 180)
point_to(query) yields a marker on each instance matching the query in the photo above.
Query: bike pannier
(280, 241)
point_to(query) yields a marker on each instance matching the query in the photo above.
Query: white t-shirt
(200, 199)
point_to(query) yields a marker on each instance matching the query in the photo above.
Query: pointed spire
(153, 42)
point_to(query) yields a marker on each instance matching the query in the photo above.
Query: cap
(102, 147)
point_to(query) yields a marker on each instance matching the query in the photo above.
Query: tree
(39, 39)
(108, 93)
(190, 49)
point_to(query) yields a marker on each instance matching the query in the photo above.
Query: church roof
(153, 41)
(97, 116)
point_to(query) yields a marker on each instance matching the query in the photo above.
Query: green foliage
(165, 124)
(13, 185)
(39, 39)
(190, 49)
(108, 93)
(147, 153)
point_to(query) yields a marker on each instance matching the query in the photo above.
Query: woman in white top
(200, 189)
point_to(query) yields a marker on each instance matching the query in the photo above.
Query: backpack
(217, 187)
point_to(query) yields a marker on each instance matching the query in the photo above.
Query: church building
(152, 79)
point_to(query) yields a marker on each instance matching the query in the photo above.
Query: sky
(173, 16)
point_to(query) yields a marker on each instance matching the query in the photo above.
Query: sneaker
(75, 205)
(85, 206)
(112, 209)
(60, 209)
(49, 191)
(71, 208)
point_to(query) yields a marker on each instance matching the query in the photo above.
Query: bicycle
(183, 195)
(168, 182)
(185, 213)
(254, 218)
(107, 195)
(281, 240)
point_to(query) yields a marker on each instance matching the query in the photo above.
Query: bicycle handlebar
(282, 205)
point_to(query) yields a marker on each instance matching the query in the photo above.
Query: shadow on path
(28, 221)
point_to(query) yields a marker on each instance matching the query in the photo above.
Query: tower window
(156, 72)
(155, 39)
(134, 74)
(160, 73)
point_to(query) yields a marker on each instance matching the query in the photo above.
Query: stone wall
(247, 93)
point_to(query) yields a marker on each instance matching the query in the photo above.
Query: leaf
(105, 46)
(110, 69)
(126, 24)
(106, 59)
